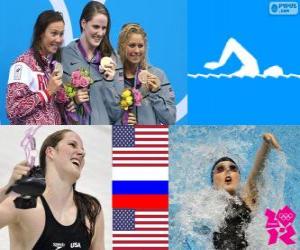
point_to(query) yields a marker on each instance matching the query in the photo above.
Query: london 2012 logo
(280, 225)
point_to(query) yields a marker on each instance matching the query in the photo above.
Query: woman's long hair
(127, 30)
(43, 21)
(89, 11)
(87, 205)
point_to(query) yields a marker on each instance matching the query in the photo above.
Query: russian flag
(140, 187)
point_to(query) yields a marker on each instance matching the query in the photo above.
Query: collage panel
(43, 88)
(140, 187)
(243, 62)
(140, 67)
(234, 187)
(72, 158)
(93, 62)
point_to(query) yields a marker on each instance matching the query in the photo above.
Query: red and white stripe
(150, 150)
(151, 232)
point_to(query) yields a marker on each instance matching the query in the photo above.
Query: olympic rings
(285, 216)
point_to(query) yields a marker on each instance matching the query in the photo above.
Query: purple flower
(76, 82)
(84, 83)
(79, 80)
(76, 75)
(137, 97)
(61, 96)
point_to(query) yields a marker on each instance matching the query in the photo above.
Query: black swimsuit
(231, 234)
(57, 236)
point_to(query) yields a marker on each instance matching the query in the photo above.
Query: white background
(95, 178)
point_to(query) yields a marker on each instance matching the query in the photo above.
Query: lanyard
(137, 83)
(29, 145)
(95, 61)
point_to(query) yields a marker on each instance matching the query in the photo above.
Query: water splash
(196, 210)
(271, 188)
(201, 225)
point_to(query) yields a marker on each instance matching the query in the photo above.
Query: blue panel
(271, 40)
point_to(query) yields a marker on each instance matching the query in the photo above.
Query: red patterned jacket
(27, 100)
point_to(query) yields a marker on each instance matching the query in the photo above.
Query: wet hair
(87, 205)
(127, 30)
(224, 158)
(43, 21)
(89, 11)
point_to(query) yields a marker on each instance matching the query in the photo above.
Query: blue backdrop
(271, 39)
(164, 21)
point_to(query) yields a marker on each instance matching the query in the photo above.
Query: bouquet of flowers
(79, 79)
(130, 98)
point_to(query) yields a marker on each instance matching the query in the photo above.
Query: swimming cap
(225, 158)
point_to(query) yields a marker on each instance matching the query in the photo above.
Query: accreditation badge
(17, 72)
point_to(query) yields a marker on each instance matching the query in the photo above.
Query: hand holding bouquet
(129, 99)
(80, 80)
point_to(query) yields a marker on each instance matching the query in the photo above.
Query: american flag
(139, 229)
(140, 146)
(140, 187)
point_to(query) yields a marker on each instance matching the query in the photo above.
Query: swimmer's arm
(98, 239)
(3, 194)
(8, 212)
(250, 191)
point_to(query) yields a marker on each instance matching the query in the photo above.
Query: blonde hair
(127, 30)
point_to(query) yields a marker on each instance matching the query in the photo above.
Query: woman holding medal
(35, 76)
(62, 217)
(94, 53)
(158, 99)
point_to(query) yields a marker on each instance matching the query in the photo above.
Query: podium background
(164, 21)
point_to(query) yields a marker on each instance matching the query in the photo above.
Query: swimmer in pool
(225, 174)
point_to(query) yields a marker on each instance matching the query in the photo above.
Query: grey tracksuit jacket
(158, 107)
(104, 95)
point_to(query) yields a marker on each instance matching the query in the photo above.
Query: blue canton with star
(123, 136)
(123, 219)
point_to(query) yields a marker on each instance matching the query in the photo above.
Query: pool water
(196, 209)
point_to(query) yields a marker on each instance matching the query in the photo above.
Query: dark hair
(43, 21)
(87, 205)
(88, 12)
(224, 158)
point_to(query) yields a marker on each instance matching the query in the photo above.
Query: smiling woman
(62, 216)
(157, 105)
(34, 79)
(86, 54)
